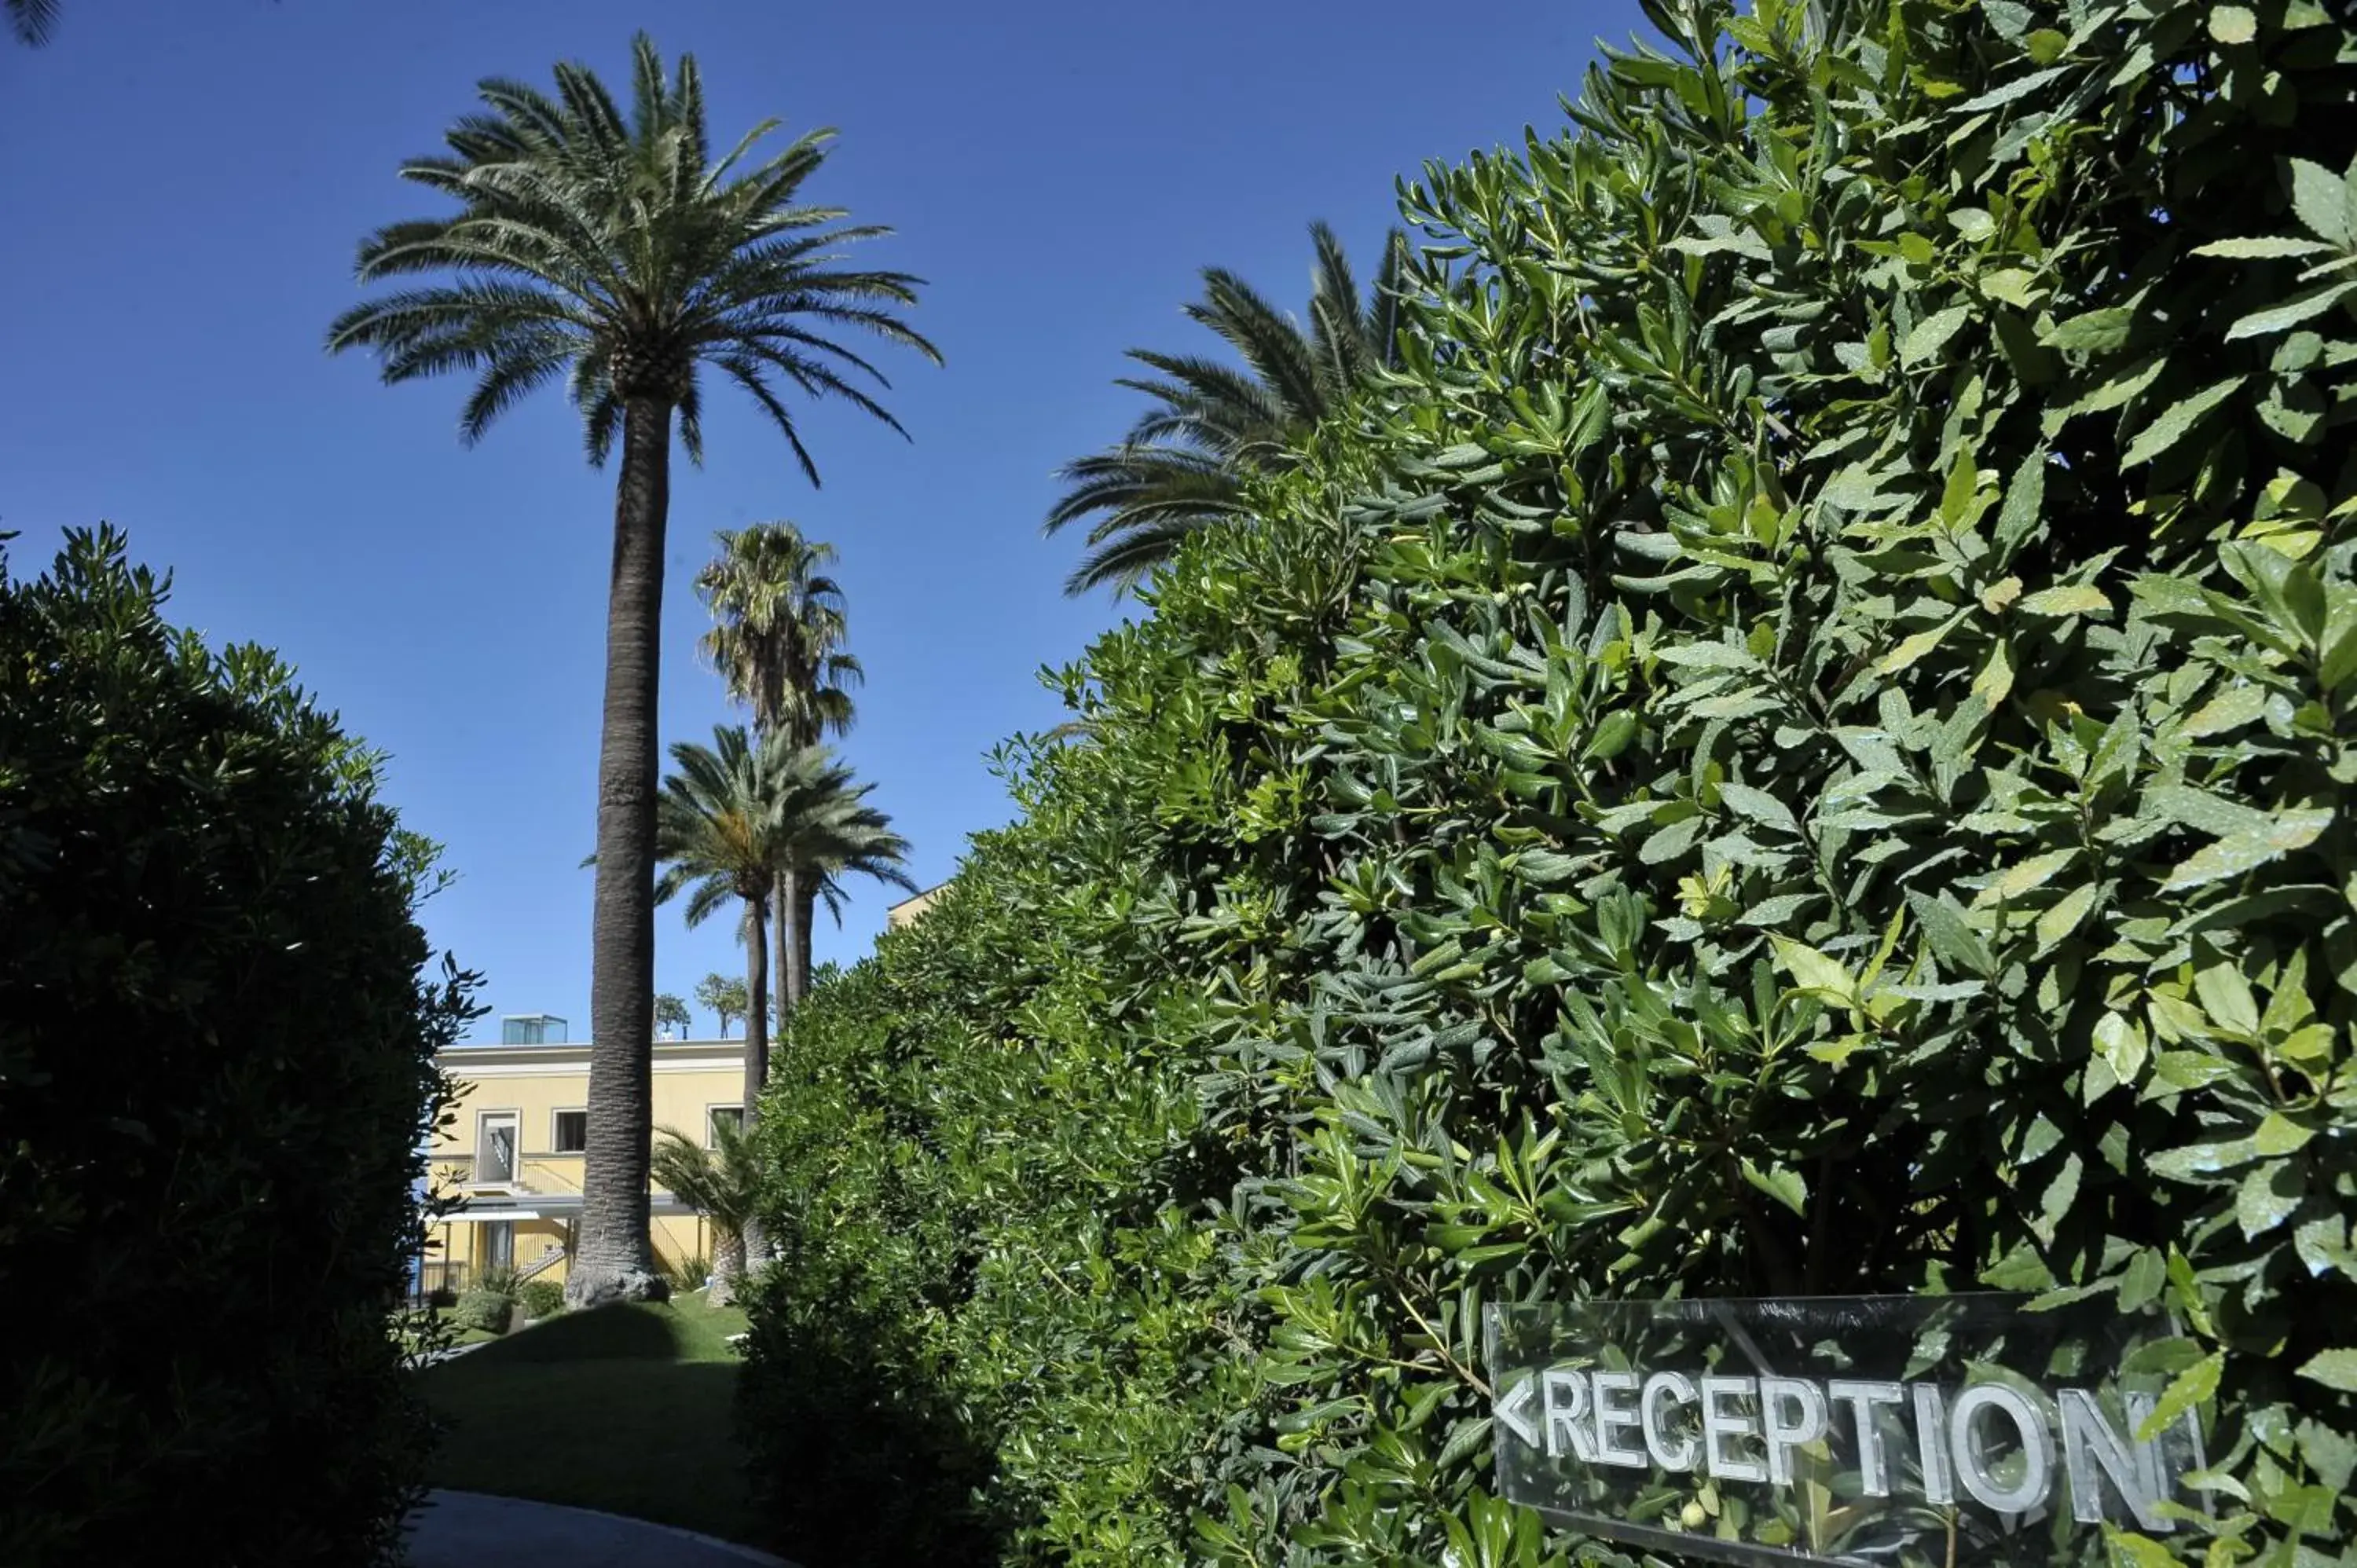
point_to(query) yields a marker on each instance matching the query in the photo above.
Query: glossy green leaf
(1931, 335)
(2333, 1369)
(2291, 830)
(2177, 420)
(1783, 1185)
(2232, 23)
(2293, 311)
(2321, 198)
(2188, 1390)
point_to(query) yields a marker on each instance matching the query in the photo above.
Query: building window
(571, 1135)
(732, 1114)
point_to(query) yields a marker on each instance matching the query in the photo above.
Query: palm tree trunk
(757, 1021)
(727, 1267)
(749, 1245)
(793, 939)
(616, 1260)
(807, 919)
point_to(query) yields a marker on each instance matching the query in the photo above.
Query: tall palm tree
(1183, 465)
(737, 810)
(779, 627)
(820, 863)
(722, 1183)
(615, 252)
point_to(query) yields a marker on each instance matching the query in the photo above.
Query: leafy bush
(888, 1194)
(217, 1042)
(484, 1311)
(1800, 749)
(499, 1282)
(689, 1274)
(540, 1298)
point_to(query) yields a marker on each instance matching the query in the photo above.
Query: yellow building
(907, 910)
(513, 1148)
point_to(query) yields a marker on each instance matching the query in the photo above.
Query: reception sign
(1904, 1432)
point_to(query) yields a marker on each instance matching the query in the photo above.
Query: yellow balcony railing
(552, 1173)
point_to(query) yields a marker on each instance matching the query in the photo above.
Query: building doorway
(499, 1245)
(495, 1147)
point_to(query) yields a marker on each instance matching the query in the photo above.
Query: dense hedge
(1799, 749)
(484, 1311)
(217, 1039)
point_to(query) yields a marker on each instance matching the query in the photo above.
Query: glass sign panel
(1900, 1431)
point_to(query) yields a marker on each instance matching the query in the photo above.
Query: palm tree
(720, 832)
(613, 252)
(820, 863)
(722, 1183)
(778, 635)
(1183, 465)
(737, 810)
(31, 20)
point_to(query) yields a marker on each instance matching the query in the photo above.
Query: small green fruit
(1691, 1516)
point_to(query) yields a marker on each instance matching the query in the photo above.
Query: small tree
(719, 1182)
(670, 1013)
(724, 997)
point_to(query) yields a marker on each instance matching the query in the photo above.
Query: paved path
(451, 1352)
(468, 1530)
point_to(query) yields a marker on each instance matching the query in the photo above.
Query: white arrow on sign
(1513, 1409)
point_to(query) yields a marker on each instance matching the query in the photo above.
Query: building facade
(906, 910)
(512, 1150)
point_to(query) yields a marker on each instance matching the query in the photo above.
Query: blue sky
(182, 186)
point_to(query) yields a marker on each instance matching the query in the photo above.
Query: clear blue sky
(182, 186)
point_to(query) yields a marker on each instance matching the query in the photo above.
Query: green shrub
(689, 1274)
(540, 1298)
(1800, 750)
(497, 1281)
(484, 1311)
(884, 1182)
(217, 1042)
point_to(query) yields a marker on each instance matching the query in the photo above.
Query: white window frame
(513, 1116)
(555, 1143)
(711, 1120)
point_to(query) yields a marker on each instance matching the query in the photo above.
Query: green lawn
(457, 1335)
(624, 1409)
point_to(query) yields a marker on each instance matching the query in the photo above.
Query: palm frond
(734, 815)
(779, 627)
(32, 21)
(1213, 425)
(722, 1183)
(586, 241)
(1271, 342)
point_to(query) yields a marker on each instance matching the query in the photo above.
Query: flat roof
(575, 1045)
(928, 893)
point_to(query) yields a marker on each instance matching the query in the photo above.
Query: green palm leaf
(32, 20)
(606, 248)
(1212, 426)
